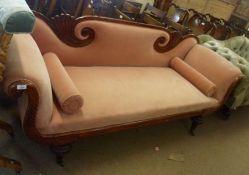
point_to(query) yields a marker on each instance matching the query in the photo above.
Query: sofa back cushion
(114, 44)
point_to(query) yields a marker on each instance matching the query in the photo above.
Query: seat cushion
(116, 95)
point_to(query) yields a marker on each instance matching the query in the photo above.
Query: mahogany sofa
(126, 74)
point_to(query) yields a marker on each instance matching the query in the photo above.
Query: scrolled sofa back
(102, 42)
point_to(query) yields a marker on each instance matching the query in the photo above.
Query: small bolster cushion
(193, 76)
(64, 89)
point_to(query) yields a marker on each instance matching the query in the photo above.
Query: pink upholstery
(197, 79)
(25, 62)
(118, 95)
(67, 94)
(122, 77)
(114, 45)
(213, 66)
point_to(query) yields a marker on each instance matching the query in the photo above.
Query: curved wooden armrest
(29, 123)
(31, 91)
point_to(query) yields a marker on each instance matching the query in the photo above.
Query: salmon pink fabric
(67, 94)
(197, 79)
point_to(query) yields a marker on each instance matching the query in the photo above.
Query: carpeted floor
(219, 148)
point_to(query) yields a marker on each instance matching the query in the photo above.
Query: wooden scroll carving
(64, 27)
(162, 45)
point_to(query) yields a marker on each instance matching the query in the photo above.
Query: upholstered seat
(113, 95)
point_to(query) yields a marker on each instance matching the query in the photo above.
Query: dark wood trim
(230, 90)
(11, 164)
(64, 24)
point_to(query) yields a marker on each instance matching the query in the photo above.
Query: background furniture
(132, 9)
(234, 11)
(200, 25)
(240, 14)
(171, 16)
(217, 8)
(177, 14)
(162, 4)
(77, 8)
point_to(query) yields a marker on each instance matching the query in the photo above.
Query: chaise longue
(78, 77)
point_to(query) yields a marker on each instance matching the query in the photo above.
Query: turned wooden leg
(226, 112)
(7, 127)
(10, 163)
(196, 121)
(60, 151)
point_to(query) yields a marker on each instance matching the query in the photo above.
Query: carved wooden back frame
(63, 26)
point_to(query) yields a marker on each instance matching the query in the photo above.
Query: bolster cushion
(65, 91)
(16, 16)
(25, 62)
(193, 76)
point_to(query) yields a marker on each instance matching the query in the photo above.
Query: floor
(220, 147)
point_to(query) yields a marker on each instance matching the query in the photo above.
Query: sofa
(79, 77)
(235, 50)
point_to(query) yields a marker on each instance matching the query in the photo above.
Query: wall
(218, 8)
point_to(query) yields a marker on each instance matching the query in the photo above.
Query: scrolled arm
(26, 75)
(216, 68)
